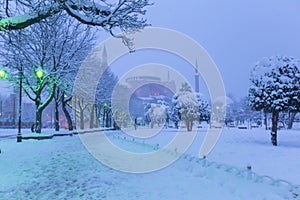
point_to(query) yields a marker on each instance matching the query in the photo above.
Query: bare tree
(56, 45)
(74, 43)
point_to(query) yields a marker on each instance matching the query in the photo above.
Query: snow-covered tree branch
(125, 15)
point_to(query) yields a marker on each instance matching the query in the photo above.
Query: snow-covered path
(61, 168)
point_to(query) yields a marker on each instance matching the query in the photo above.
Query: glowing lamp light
(2, 74)
(39, 73)
(105, 105)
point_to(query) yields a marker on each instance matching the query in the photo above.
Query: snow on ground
(238, 147)
(253, 147)
(61, 168)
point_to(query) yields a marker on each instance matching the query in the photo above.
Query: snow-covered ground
(61, 168)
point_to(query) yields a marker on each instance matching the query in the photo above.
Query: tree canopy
(275, 84)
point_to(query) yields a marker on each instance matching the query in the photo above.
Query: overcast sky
(236, 34)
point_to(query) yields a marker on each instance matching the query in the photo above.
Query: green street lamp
(105, 115)
(39, 73)
(105, 106)
(19, 136)
(2, 74)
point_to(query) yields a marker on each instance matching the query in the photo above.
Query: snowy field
(61, 168)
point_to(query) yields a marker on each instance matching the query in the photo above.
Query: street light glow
(2, 74)
(39, 73)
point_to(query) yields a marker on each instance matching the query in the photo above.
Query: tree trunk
(81, 119)
(292, 116)
(176, 125)
(56, 124)
(103, 118)
(67, 114)
(189, 125)
(38, 115)
(40, 107)
(106, 118)
(92, 113)
(266, 119)
(96, 122)
(275, 115)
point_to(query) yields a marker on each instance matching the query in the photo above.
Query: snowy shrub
(157, 114)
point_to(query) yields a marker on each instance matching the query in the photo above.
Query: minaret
(196, 78)
(104, 58)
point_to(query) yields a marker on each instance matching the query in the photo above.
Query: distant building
(152, 85)
(152, 90)
(9, 112)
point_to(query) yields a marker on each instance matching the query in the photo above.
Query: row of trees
(55, 47)
(275, 90)
(52, 38)
(185, 106)
(239, 112)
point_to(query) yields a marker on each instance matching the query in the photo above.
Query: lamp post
(105, 115)
(19, 136)
(3, 76)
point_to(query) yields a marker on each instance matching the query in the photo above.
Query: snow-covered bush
(157, 114)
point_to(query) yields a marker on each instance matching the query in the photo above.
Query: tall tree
(103, 94)
(275, 88)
